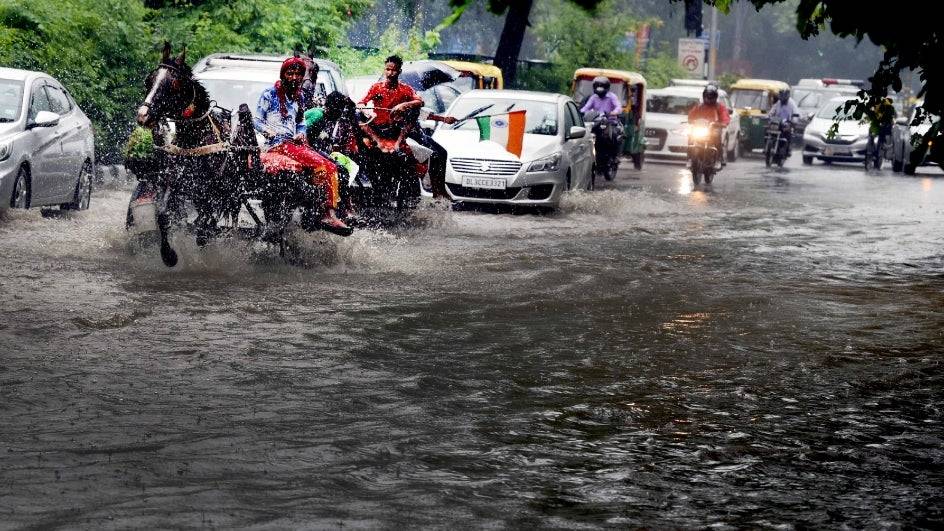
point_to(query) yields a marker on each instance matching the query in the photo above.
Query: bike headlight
(549, 163)
(6, 148)
(699, 133)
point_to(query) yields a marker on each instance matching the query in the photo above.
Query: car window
(446, 94)
(38, 101)
(11, 99)
(574, 114)
(660, 104)
(58, 102)
(753, 99)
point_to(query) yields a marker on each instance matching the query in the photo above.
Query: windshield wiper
(472, 114)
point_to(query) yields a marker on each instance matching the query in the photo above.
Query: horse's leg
(168, 255)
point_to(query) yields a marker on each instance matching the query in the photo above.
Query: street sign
(691, 56)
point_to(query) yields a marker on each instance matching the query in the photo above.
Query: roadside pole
(713, 44)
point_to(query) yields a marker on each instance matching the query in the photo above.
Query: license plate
(829, 152)
(483, 182)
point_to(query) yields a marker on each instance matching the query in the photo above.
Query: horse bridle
(150, 96)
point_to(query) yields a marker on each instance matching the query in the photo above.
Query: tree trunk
(512, 36)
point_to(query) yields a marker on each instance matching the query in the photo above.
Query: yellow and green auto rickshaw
(630, 89)
(752, 100)
(482, 76)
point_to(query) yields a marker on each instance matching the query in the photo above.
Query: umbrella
(422, 75)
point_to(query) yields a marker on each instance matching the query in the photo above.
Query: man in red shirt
(715, 112)
(391, 99)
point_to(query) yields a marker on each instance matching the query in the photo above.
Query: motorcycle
(608, 141)
(876, 149)
(777, 142)
(703, 153)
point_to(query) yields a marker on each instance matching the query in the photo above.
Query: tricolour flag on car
(506, 130)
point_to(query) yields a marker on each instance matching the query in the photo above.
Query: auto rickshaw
(483, 76)
(752, 100)
(630, 88)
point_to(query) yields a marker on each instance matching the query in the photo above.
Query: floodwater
(762, 353)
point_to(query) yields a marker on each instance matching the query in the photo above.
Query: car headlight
(5, 149)
(549, 163)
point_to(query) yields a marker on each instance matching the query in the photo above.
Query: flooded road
(766, 352)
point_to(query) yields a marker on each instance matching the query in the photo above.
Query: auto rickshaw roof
(633, 78)
(760, 84)
(476, 68)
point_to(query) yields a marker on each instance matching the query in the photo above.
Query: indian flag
(505, 129)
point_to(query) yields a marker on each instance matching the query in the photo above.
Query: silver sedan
(47, 148)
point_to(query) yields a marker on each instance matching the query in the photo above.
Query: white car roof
(239, 74)
(19, 75)
(689, 91)
(487, 94)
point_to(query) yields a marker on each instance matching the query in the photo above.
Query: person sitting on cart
(714, 111)
(279, 118)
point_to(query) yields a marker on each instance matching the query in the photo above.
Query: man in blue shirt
(280, 119)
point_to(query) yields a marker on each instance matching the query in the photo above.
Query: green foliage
(97, 48)
(140, 144)
(411, 45)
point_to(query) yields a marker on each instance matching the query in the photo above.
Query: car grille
(678, 149)
(460, 191)
(659, 134)
(839, 141)
(485, 167)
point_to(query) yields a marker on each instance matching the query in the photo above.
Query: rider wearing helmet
(784, 110)
(714, 111)
(280, 119)
(602, 100)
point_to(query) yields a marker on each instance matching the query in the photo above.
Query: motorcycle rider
(602, 100)
(714, 111)
(437, 161)
(783, 111)
(279, 118)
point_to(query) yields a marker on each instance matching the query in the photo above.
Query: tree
(516, 23)
(918, 46)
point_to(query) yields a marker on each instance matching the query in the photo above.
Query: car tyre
(897, 164)
(733, 154)
(22, 190)
(909, 168)
(82, 197)
(807, 160)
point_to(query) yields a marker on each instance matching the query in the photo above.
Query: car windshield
(584, 90)
(229, 93)
(671, 104)
(540, 116)
(753, 99)
(828, 110)
(11, 99)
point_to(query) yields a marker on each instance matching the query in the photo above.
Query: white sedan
(848, 145)
(666, 117)
(557, 152)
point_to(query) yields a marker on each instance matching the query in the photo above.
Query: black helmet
(601, 81)
(710, 94)
(784, 95)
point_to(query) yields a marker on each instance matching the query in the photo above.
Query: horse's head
(170, 89)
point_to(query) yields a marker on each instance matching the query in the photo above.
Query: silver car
(330, 78)
(848, 144)
(47, 148)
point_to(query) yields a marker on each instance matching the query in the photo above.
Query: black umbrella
(422, 75)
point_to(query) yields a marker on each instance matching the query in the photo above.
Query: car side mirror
(44, 119)
(810, 116)
(576, 132)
